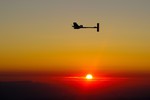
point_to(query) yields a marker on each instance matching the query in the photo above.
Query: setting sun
(89, 76)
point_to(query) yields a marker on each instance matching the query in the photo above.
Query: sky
(37, 35)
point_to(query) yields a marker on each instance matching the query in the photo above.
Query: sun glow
(89, 77)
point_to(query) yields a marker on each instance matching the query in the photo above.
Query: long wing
(97, 27)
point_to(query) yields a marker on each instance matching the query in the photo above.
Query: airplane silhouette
(76, 26)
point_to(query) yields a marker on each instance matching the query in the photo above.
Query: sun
(89, 76)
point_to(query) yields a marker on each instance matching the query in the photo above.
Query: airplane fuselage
(89, 27)
(83, 27)
(76, 26)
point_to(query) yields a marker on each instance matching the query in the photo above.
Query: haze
(37, 35)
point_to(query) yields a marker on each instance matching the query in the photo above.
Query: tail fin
(75, 25)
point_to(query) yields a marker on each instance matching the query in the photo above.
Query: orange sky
(37, 35)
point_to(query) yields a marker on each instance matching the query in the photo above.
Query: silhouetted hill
(27, 90)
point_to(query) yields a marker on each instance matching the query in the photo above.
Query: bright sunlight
(89, 76)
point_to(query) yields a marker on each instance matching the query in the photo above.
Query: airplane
(76, 26)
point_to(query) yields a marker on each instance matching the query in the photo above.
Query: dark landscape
(114, 88)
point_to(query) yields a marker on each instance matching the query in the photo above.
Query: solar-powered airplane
(76, 26)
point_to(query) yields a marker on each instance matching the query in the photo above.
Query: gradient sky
(37, 35)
